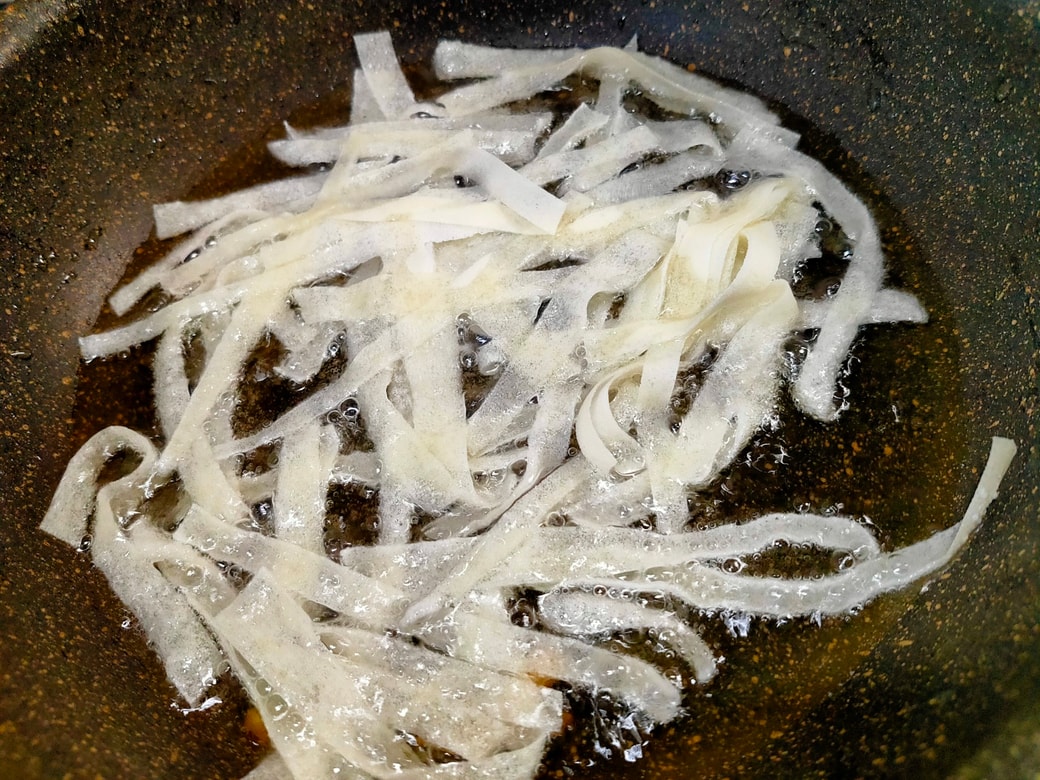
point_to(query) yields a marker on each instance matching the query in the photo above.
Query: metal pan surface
(928, 109)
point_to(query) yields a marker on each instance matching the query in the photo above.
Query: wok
(929, 110)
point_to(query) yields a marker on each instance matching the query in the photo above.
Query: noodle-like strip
(514, 411)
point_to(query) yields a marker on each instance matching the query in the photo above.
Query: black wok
(929, 109)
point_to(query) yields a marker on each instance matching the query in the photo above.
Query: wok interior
(108, 113)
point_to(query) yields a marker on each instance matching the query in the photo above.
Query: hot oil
(896, 459)
(899, 459)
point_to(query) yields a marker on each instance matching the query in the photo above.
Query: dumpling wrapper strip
(457, 157)
(126, 557)
(669, 87)
(551, 555)
(129, 294)
(364, 367)
(439, 411)
(206, 481)
(514, 147)
(562, 326)
(386, 82)
(709, 588)
(659, 179)
(481, 635)
(500, 541)
(532, 124)
(417, 676)
(256, 246)
(363, 105)
(660, 367)
(582, 123)
(68, 516)
(378, 683)
(455, 60)
(593, 164)
(303, 362)
(314, 260)
(851, 306)
(609, 100)
(171, 382)
(577, 613)
(360, 599)
(730, 406)
(270, 633)
(176, 217)
(300, 754)
(305, 464)
(202, 476)
(889, 306)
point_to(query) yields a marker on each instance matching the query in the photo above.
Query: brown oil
(897, 456)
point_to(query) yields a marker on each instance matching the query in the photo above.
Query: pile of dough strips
(567, 261)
